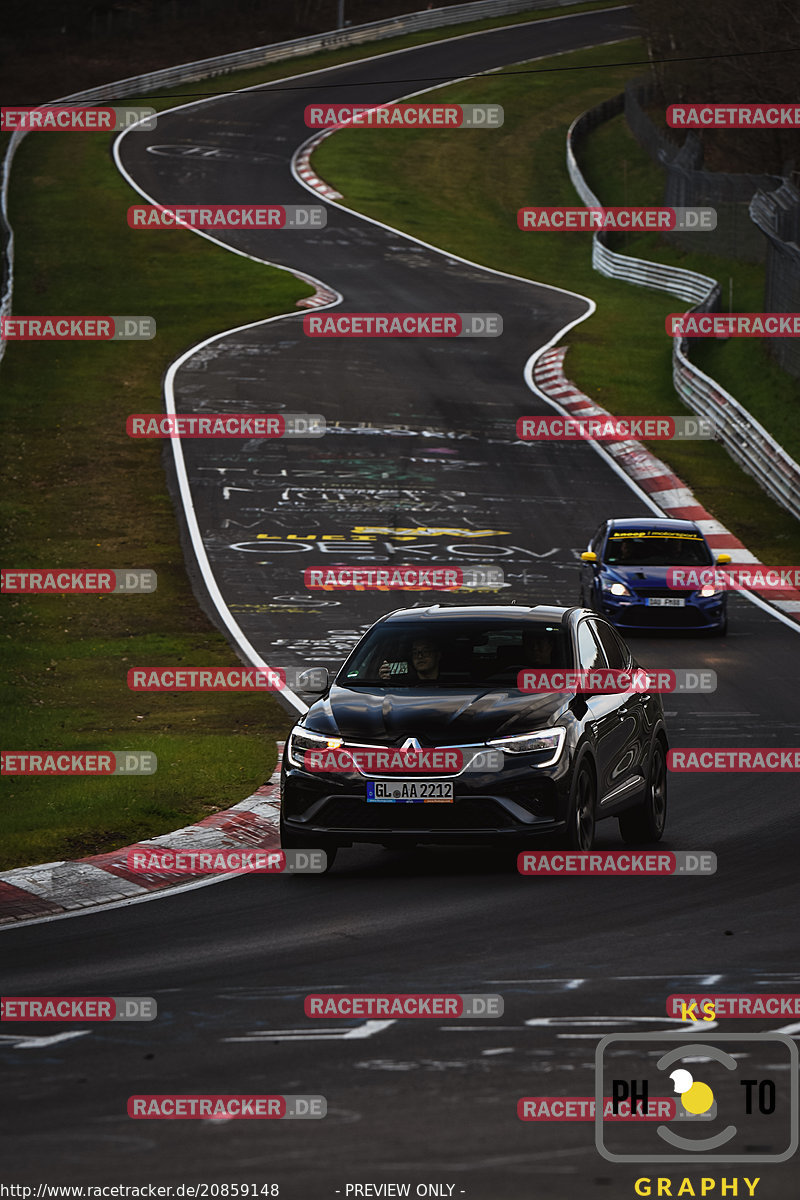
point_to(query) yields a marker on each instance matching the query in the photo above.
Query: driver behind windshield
(425, 658)
(622, 552)
(539, 649)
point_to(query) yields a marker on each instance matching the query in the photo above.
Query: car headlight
(710, 590)
(543, 741)
(617, 589)
(301, 739)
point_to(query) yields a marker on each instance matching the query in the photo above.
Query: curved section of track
(420, 465)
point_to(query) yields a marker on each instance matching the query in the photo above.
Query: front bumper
(515, 802)
(633, 614)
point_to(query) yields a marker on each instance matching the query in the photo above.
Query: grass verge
(617, 169)
(80, 493)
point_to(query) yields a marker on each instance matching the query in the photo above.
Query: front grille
(644, 592)
(376, 771)
(681, 618)
(349, 813)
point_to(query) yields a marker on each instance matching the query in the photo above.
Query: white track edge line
(529, 365)
(198, 546)
(180, 466)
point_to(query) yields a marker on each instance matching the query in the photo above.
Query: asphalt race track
(422, 430)
(421, 439)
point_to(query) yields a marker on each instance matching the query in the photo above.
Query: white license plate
(410, 791)
(666, 602)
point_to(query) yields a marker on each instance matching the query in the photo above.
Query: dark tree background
(50, 48)
(729, 50)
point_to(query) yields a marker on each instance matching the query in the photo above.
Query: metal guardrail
(776, 214)
(223, 64)
(745, 439)
(686, 285)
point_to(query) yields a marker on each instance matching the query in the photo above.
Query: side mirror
(722, 559)
(589, 556)
(314, 681)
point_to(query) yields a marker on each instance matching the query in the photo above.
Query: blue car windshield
(646, 548)
(461, 654)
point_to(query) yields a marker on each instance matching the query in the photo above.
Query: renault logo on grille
(411, 744)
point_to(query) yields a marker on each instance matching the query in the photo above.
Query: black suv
(509, 764)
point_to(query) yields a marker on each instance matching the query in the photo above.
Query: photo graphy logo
(736, 1096)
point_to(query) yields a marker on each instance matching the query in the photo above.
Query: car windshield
(656, 548)
(461, 654)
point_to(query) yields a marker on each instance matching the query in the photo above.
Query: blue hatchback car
(624, 577)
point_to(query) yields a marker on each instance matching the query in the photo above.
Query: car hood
(642, 577)
(435, 716)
